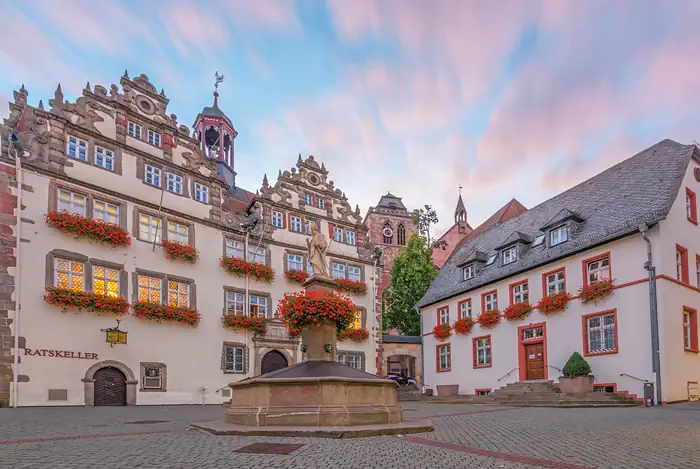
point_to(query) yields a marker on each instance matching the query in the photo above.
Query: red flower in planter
(442, 332)
(158, 312)
(82, 227)
(298, 276)
(554, 303)
(594, 292)
(464, 325)
(359, 334)
(241, 268)
(351, 286)
(313, 308)
(489, 319)
(257, 324)
(85, 301)
(176, 250)
(517, 311)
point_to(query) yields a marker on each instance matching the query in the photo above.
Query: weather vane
(460, 189)
(219, 79)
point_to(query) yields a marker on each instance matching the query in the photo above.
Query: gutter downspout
(422, 352)
(18, 280)
(654, 314)
(374, 307)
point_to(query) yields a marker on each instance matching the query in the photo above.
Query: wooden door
(273, 361)
(535, 361)
(110, 387)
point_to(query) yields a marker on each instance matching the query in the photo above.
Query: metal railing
(220, 389)
(558, 369)
(634, 377)
(507, 374)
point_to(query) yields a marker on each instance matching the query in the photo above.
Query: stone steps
(408, 393)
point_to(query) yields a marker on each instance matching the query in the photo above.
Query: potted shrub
(577, 375)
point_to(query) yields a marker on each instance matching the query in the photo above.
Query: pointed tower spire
(41, 105)
(23, 90)
(58, 94)
(299, 159)
(87, 86)
(265, 184)
(126, 73)
(323, 166)
(460, 209)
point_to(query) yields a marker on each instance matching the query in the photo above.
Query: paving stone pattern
(466, 436)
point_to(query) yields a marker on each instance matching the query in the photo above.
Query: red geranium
(442, 332)
(313, 308)
(82, 227)
(255, 323)
(354, 287)
(177, 250)
(489, 319)
(596, 291)
(517, 311)
(159, 312)
(85, 301)
(298, 276)
(241, 268)
(464, 325)
(359, 334)
(554, 303)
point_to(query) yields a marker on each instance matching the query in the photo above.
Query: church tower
(461, 215)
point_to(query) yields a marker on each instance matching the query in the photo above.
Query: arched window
(388, 233)
(401, 235)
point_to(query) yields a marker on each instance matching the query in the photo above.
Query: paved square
(466, 436)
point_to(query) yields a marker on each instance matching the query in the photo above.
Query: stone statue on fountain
(318, 246)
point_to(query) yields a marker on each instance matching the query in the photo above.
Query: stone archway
(272, 361)
(89, 381)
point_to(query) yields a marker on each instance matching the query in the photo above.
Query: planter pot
(445, 390)
(576, 384)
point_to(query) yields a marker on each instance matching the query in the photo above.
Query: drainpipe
(422, 349)
(654, 313)
(18, 277)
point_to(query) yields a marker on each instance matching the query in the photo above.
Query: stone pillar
(317, 337)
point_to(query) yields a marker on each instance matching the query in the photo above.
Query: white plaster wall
(107, 127)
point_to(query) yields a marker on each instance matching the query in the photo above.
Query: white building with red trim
(594, 232)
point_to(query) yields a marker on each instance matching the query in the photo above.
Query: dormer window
(492, 259)
(538, 240)
(558, 235)
(468, 272)
(510, 255)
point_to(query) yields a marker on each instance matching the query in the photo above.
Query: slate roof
(391, 201)
(612, 204)
(401, 339)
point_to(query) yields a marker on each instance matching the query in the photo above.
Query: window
(558, 235)
(601, 333)
(258, 306)
(691, 206)
(350, 237)
(77, 148)
(482, 392)
(134, 130)
(235, 248)
(71, 202)
(321, 203)
(533, 333)
(465, 309)
(105, 281)
(555, 282)
(510, 255)
(178, 232)
(337, 270)
(482, 351)
(105, 211)
(277, 219)
(490, 301)
(444, 358)
(150, 289)
(235, 302)
(104, 158)
(153, 377)
(538, 240)
(401, 235)
(444, 315)
(149, 228)
(468, 272)
(337, 234)
(201, 193)
(354, 273)
(152, 175)
(69, 275)
(351, 359)
(233, 359)
(682, 264)
(492, 259)
(520, 293)
(154, 138)
(307, 225)
(308, 199)
(178, 294)
(604, 388)
(295, 262)
(256, 253)
(174, 183)
(309, 268)
(296, 223)
(598, 269)
(690, 329)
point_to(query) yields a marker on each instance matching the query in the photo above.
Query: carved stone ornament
(313, 179)
(145, 105)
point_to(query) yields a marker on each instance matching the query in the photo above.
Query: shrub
(577, 366)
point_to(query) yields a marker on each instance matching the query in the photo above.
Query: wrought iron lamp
(114, 335)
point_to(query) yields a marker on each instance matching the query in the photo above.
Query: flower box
(241, 268)
(175, 250)
(351, 286)
(159, 313)
(298, 276)
(489, 319)
(594, 292)
(442, 332)
(314, 308)
(257, 324)
(463, 326)
(82, 227)
(85, 301)
(554, 303)
(517, 311)
(359, 334)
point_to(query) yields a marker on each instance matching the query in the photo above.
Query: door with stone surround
(110, 387)
(273, 361)
(535, 361)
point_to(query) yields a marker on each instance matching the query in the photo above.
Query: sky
(505, 98)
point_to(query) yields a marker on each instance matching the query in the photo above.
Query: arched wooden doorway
(110, 387)
(273, 361)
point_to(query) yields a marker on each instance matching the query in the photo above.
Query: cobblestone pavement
(466, 436)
